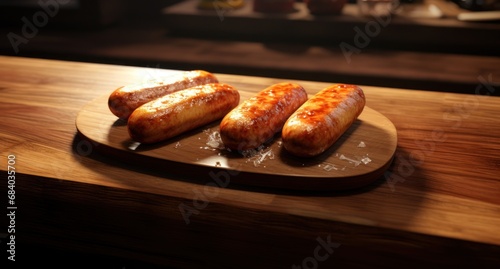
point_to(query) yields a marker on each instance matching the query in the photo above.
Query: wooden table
(438, 204)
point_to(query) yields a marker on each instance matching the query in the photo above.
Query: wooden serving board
(358, 158)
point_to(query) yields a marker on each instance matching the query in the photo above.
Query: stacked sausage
(309, 126)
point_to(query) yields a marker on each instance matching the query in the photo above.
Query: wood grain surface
(357, 159)
(437, 205)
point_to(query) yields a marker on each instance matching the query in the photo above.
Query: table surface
(442, 190)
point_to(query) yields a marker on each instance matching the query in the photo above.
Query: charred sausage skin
(124, 100)
(320, 121)
(259, 118)
(181, 111)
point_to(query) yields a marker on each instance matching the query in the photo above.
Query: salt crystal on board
(355, 162)
(366, 159)
(214, 140)
(263, 156)
(361, 145)
(134, 145)
(330, 167)
(258, 157)
(213, 143)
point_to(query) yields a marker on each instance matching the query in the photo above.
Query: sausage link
(124, 100)
(259, 118)
(181, 111)
(320, 121)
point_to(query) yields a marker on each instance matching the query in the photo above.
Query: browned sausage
(259, 118)
(181, 111)
(320, 121)
(124, 100)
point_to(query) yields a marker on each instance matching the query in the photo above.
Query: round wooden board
(358, 158)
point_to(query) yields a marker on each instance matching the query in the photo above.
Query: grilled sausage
(320, 121)
(124, 100)
(181, 111)
(259, 118)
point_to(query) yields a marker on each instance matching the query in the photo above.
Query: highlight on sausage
(320, 121)
(181, 111)
(258, 119)
(124, 100)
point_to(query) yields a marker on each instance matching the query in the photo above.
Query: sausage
(259, 118)
(320, 121)
(124, 100)
(181, 111)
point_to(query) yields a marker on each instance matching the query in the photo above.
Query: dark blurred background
(421, 46)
